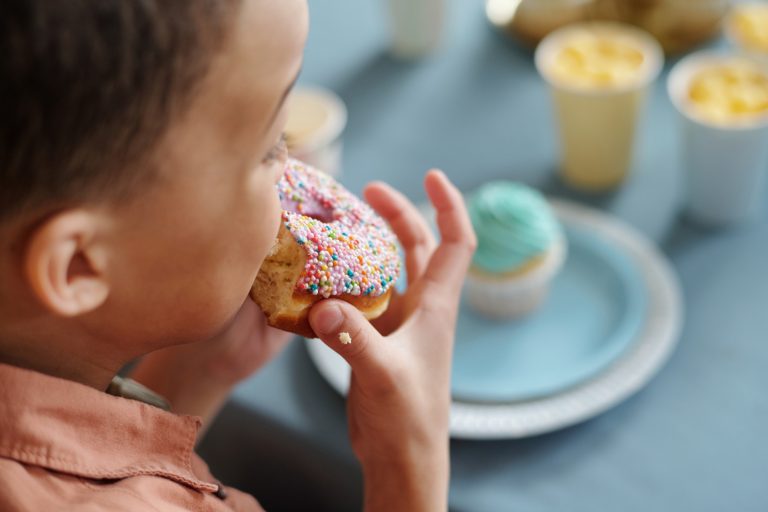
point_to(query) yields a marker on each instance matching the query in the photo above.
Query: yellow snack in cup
(729, 91)
(596, 60)
(749, 24)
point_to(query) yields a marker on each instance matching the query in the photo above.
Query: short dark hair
(88, 86)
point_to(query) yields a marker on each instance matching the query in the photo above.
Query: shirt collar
(72, 428)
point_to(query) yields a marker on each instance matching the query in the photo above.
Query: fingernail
(439, 172)
(328, 319)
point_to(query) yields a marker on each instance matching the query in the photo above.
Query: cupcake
(520, 249)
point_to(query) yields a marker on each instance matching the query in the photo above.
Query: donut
(330, 244)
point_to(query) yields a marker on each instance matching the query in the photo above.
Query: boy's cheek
(278, 169)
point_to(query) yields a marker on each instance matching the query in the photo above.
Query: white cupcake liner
(506, 298)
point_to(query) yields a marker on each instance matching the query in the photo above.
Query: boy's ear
(64, 264)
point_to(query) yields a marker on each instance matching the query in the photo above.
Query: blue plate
(595, 309)
(611, 321)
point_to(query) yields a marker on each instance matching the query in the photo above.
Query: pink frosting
(349, 248)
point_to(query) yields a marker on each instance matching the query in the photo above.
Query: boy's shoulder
(26, 487)
(66, 446)
(29, 487)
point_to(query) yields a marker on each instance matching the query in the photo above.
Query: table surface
(691, 440)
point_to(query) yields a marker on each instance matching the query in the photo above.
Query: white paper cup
(509, 298)
(725, 164)
(597, 123)
(737, 39)
(316, 121)
(416, 26)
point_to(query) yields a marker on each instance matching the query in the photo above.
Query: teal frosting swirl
(513, 223)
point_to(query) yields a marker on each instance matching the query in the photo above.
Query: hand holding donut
(399, 398)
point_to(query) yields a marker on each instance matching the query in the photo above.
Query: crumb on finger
(345, 338)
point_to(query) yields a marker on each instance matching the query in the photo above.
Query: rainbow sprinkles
(349, 248)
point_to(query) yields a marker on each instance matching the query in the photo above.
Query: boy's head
(137, 164)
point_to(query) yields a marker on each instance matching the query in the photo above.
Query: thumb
(348, 333)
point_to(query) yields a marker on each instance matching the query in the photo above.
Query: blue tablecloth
(691, 440)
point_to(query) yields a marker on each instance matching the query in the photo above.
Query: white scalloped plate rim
(627, 375)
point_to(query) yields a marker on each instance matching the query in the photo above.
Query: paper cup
(316, 120)
(416, 26)
(735, 30)
(597, 123)
(725, 164)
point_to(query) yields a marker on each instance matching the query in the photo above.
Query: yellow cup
(599, 74)
(314, 127)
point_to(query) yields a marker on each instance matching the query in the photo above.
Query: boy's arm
(403, 483)
(398, 404)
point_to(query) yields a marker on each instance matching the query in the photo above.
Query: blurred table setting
(639, 383)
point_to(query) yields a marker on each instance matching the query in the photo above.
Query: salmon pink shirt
(67, 446)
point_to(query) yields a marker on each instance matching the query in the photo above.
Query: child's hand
(399, 397)
(196, 378)
(244, 347)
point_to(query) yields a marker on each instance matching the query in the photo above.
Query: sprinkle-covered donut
(330, 244)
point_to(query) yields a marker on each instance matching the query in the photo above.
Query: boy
(140, 148)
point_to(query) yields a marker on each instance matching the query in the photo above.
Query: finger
(395, 314)
(408, 224)
(449, 263)
(346, 331)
